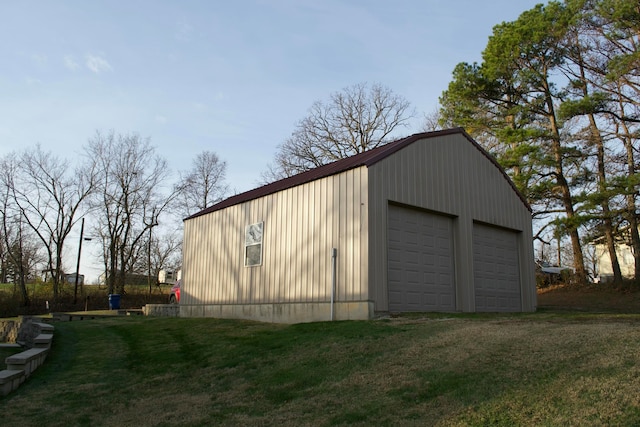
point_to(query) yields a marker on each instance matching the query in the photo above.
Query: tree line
(556, 100)
(126, 188)
(122, 184)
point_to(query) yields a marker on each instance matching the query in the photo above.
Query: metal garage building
(427, 223)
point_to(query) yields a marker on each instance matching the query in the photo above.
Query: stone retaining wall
(161, 310)
(36, 337)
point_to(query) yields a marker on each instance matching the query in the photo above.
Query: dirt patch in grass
(593, 298)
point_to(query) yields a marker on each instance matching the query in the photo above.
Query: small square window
(253, 244)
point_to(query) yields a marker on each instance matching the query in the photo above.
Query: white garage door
(420, 261)
(495, 269)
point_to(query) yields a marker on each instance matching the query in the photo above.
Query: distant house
(48, 275)
(169, 276)
(427, 223)
(131, 279)
(624, 251)
(71, 278)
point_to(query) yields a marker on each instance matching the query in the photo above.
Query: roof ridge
(366, 158)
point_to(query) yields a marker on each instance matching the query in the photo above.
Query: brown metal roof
(366, 158)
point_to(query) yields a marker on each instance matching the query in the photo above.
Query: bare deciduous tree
(49, 194)
(358, 119)
(13, 265)
(130, 198)
(432, 121)
(165, 253)
(203, 185)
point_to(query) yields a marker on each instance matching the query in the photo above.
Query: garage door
(495, 269)
(420, 261)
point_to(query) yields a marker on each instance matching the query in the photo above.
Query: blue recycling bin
(114, 301)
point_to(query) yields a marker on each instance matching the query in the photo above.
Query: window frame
(253, 237)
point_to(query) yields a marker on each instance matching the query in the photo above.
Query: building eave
(367, 158)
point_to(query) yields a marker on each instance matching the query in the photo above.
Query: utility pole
(75, 291)
(153, 223)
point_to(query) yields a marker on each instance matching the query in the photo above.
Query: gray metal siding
(420, 263)
(301, 226)
(449, 175)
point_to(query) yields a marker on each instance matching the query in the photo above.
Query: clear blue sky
(228, 76)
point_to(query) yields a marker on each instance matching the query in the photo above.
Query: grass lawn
(546, 368)
(6, 352)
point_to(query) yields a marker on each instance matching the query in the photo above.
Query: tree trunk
(23, 285)
(565, 191)
(635, 238)
(606, 210)
(631, 201)
(122, 273)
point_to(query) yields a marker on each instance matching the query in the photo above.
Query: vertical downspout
(334, 257)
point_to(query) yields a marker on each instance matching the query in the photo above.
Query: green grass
(537, 369)
(6, 352)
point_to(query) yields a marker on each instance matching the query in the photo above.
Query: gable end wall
(450, 176)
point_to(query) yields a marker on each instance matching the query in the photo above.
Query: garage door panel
(395, 296)
(445, 262)
(420, 261)
(495, 269)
